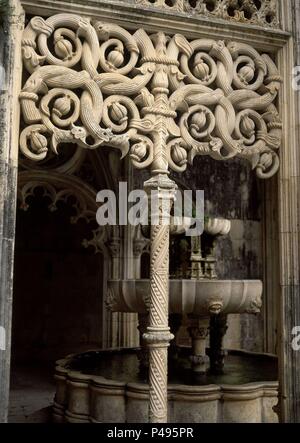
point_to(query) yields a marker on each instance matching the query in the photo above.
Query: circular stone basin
(197, 297)
(106, 386)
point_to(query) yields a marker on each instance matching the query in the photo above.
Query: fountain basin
(194, 297)
(104, 386)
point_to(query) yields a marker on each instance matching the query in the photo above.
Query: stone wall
(11, 26)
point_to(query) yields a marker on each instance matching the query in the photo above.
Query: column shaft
(158, 334)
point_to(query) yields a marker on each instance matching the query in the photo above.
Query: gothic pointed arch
(63, 188)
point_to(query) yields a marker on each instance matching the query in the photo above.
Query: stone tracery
(60, 188)
(163, 99)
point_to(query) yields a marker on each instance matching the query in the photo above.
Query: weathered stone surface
(11, 26)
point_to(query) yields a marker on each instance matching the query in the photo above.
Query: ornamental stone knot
(163, 100)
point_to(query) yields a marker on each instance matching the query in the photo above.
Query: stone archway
(280, 44)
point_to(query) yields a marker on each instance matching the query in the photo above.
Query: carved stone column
(143, 354)
(198, 331)
(158, 334)
(217, 330)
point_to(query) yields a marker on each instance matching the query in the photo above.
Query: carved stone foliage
(258, 12)
(56, 191)
(68, 189)
(163, 100)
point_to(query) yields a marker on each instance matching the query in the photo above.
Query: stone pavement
(31, 394)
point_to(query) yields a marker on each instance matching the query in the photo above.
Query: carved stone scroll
(96, 88)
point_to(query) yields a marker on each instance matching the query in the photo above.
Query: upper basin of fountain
(195, 297)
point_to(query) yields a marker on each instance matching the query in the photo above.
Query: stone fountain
(87, 392)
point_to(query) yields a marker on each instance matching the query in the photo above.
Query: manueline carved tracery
(163, 100)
